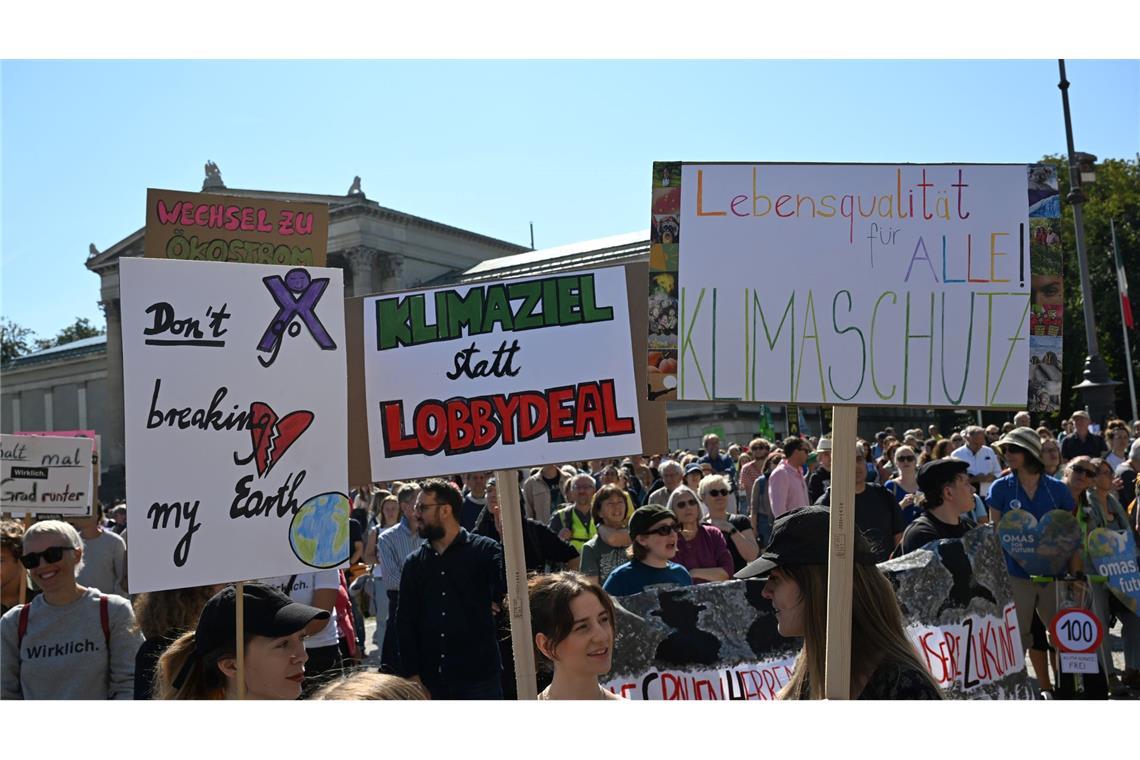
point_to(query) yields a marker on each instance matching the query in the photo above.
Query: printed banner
(720, 641)
(236, 426)
(500, 374)
(46, 475)
(1047, 292)
(235, 228)
(900, 285)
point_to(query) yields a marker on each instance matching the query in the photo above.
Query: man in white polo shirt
(985, 467)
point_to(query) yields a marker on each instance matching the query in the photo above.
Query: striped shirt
(393, 546)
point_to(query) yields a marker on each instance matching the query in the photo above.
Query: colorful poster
(46, 475)
(1047, 290)
(235, 228)
(500, 374)
(236, 421)
(717, 641)
(870, 284)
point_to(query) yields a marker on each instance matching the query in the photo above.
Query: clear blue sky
(487, 146)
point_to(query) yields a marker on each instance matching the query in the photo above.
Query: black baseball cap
(937, 474)
(644, 518)
(267, 612)
(801, 537)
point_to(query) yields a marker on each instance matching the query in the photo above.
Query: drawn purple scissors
(308, 291)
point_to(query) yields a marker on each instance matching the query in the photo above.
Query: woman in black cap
(653, 530)
(884, 664)
(202, 664)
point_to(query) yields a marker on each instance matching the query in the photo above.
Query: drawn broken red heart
(272, 436)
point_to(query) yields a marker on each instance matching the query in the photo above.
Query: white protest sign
(500, 374)
(234, 380)
(900, 285)
(46, 475)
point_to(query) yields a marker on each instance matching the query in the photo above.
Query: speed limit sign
(1076, 630)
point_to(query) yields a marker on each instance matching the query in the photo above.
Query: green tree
(78, 330)
(15, 340)
(1114, 195)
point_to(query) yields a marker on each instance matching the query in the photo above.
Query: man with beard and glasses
(449, 592)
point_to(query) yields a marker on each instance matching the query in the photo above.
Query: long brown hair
(162, 614)
(550, 615)
(877, 630)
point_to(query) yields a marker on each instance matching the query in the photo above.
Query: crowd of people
(427, 563)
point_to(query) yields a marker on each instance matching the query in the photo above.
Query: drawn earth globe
(319, 532)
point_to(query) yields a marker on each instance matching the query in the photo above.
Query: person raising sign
(202, 664)
(573, 625)
(884, 664)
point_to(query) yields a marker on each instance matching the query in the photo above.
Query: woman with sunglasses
(653, 532)
(701, 549)
(70, 642)
(737, 529)
(904, 486)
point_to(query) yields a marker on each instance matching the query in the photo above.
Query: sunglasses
(904, 459)
(31, 560)
(717, 492)
(689, 503)
(1086, 473)
(664, 530)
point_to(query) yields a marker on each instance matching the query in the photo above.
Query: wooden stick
(507, 483)
(23, 572)
(840, 567)
(240, 639)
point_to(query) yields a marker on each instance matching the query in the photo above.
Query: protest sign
(867, 284)
(46, 475)
(720, 640)
(1040, 547)
(236, 432)
(95, 459)
(236, 228)
(1113, 554)
(500, 374)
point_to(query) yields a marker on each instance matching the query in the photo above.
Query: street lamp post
(1098, 391)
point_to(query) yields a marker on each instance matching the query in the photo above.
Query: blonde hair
(707, 482)
(64, 530)
(366, 685)
(204, 680)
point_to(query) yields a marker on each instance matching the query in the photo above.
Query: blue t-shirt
(911, 513)
(1051, 494)
(634, 577)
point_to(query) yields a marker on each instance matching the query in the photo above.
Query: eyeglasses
(419, 509)
(665, 530)
(689, 503)
(718, 492)
(758, 448)
(31, 560)
(904, 459)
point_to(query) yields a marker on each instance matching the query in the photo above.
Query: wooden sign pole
(240, 615)
(518, 597)
(840, 566)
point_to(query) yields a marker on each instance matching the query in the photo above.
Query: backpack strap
(22, 628)
(105, 620)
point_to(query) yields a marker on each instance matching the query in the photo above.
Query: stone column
(391, 272)
(360, 261)
(114, 452)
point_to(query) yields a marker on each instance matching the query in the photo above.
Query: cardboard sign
(863, 284)
(208, 227)
(720, 640)
(236, 431)
(499, 375)
(46, 475)
(1040, 547)
(1113, 553)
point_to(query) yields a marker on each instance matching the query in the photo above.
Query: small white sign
(46, 475)
(1078, 663)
